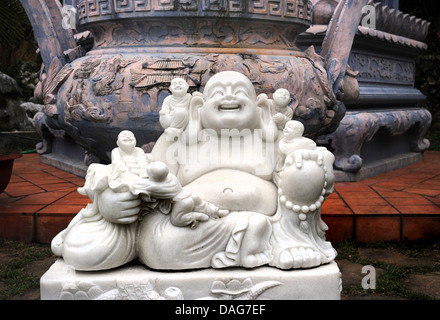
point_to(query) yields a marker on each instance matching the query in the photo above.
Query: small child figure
(175, 108)
(128, 165)
(280, 110)
(293, 140)
(128, 161)
(132, 170)
(187, 209)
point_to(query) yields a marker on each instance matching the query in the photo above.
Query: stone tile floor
(403, 204)
(379, 215)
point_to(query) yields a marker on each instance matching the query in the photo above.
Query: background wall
(428, 64)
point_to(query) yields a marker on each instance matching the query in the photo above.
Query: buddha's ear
(194, 123)
(269, 127)
(196, 103)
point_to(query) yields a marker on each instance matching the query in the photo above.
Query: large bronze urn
(139, 46)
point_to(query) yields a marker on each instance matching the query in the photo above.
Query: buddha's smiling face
(230, 103)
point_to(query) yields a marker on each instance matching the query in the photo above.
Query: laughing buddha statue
(231, 189)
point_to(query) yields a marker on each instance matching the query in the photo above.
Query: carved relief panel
(380, 69)
(282, 8)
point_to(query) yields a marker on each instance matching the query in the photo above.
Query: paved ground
(400, 205)
(409, 271)
(403, 204)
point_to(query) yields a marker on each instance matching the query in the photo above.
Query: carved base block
(60, 161)
(137, 282)
(368, 143)
(379, 167)
(66, 155)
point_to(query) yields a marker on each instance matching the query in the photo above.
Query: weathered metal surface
(358, 128)
(291, 11)
(383, 128)
(139, 46)
(339, 38)
(45, 25)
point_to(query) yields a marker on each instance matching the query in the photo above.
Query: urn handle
(54, 41)
(339, 38)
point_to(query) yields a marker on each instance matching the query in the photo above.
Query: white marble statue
(127, 157)
(232, 191)
(281, 112)
(174, 111)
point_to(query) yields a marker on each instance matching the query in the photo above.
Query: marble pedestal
(136, 282)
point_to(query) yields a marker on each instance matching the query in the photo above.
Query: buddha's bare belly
(236, 190)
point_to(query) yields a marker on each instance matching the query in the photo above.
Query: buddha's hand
(119, 207)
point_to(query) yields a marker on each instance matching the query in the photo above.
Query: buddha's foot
(255, 260)
(221, 260)
(299, 257)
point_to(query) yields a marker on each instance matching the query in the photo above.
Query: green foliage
(434, 138)
(428, 63)
(12, 274)
(14, 23)
(391, 281)
(26, 75)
